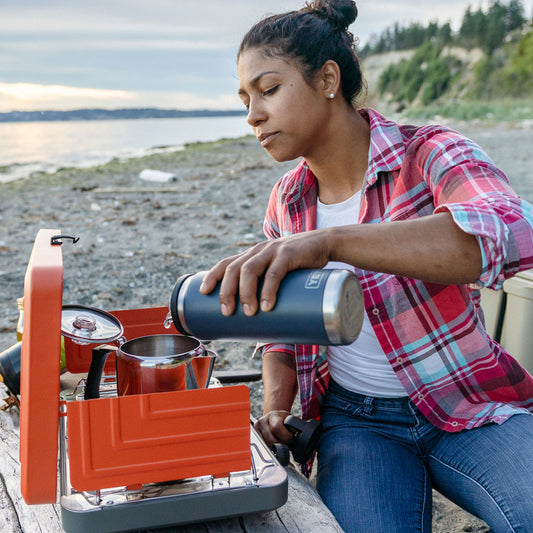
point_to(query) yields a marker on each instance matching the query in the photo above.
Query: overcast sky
(65, 54)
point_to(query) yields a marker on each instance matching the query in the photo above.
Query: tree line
(433, 73)
(487, 30)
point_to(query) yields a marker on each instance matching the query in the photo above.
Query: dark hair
(311, 36)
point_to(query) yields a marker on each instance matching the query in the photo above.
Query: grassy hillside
(483, 71)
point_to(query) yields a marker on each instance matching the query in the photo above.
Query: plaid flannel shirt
(433, 335)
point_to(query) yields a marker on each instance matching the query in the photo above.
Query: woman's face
(286, 113)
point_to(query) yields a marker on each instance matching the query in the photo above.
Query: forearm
(432, 248)
(279, 381)
(280, 385)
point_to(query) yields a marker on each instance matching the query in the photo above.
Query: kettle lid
(87, 325)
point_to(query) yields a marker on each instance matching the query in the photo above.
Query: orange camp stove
(129, 462)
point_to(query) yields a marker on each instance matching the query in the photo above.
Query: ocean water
(30, 147)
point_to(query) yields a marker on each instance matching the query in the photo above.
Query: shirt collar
(298, 182)
(387, 145)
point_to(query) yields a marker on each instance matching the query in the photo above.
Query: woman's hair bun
(340, 13)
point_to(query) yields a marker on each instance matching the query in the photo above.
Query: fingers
(226, 271)
(240, 274)
(271, 428)
(271, 283)
(266, 263)
(215, 275)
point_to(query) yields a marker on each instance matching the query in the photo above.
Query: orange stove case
(114, 441)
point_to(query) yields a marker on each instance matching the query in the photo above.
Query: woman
(423, 398)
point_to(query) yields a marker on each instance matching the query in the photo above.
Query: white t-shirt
(362, 366)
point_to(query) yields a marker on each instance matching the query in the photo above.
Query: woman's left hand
(273, 259)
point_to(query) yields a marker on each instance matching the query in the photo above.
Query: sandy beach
(137, 237)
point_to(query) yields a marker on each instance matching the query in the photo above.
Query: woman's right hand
(271, 428)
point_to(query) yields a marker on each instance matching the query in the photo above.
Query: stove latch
(57, 239)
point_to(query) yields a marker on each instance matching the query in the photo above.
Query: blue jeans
(379, 458)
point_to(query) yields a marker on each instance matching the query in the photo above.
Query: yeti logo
(314, 280)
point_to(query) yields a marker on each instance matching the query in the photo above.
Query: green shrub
(429, 77)
(516, 77)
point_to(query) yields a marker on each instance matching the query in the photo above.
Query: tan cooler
(517, 333)
(491, 302)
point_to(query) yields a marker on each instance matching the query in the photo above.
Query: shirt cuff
(263, 349)
(504, 231)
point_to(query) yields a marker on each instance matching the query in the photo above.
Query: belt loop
(368, 406)
(415, 413)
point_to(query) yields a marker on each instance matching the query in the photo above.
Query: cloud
(87, 44)
(187, 100)
(114, 54)
(32, 96)
(77, 18)
(24, 96)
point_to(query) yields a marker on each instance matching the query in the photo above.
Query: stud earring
(331, 95)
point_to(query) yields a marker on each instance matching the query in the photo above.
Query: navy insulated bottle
(313, 307)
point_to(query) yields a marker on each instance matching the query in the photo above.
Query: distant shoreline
(28, 148)
(114, 114)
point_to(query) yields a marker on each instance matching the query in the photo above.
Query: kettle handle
(99, 357)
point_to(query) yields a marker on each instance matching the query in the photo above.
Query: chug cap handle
(305, 439)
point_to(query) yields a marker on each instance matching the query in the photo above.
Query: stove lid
(40, 370)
